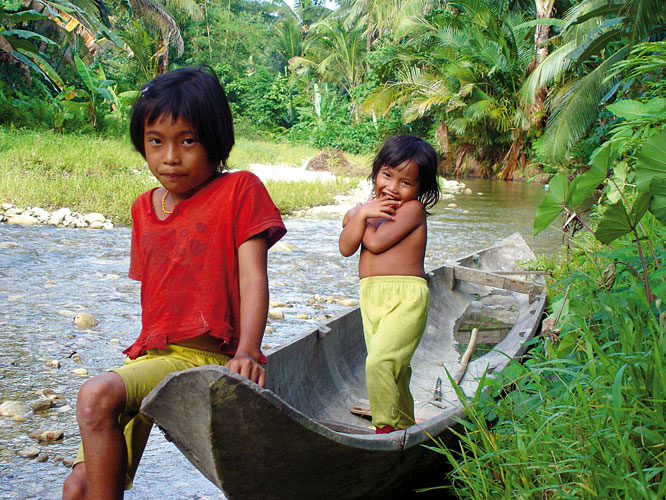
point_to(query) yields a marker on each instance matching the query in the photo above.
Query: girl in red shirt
(199, 248)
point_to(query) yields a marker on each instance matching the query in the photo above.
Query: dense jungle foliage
(498, 86)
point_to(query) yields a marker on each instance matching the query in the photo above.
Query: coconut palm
(596, 35)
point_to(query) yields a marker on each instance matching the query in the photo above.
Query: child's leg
(101, 400)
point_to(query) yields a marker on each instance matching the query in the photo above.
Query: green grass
(90, 174)
(586, 416)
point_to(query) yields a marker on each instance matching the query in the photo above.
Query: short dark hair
(398, 149)
(195, 94)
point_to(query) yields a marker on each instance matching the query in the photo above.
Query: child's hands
(248, 368)
(379, 209)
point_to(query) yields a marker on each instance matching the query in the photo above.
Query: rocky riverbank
(62, 217)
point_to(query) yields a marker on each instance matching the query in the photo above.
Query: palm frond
(576, 109)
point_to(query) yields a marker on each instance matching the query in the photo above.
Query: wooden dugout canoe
(298, 438)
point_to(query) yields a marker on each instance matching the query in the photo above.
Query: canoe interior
(322, 375)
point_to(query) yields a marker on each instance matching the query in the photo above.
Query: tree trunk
(544, 9)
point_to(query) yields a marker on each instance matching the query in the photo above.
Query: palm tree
(462, 68)
(596, 34)
(337, 54)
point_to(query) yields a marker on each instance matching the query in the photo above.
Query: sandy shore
(291, 174)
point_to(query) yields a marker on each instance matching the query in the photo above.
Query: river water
(48, 275)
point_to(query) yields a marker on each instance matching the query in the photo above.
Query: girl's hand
(248, 368)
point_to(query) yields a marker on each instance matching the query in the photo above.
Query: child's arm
(409, 216)
(352, 233)
(253, 278)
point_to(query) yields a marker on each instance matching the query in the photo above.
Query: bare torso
(405, 258)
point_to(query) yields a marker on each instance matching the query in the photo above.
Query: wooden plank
(496, 281)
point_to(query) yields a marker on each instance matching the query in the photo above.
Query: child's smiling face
(398, 183)
(175, 156)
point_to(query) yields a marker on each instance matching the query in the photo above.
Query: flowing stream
(48, 275)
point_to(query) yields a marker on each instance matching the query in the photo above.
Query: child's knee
(100, 397)
(76, 485)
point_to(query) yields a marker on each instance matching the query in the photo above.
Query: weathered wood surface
(297, 439)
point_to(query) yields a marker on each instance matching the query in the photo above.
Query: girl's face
(398, 183)
(176, 157)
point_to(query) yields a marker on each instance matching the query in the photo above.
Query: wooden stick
(465, 358)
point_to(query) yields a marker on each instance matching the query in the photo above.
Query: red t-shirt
(188, 263)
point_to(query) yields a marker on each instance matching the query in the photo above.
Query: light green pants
(394, 311)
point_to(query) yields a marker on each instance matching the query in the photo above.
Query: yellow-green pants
(140, 376)
(394, 311)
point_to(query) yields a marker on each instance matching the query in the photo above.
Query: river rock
(94, 217)
(29, 452)
(41, 404)
(96, 225)
(42, 458)
(47, 435)
(275, 314)
(85, 320)
(269, 330)
(80, 371)
(13, 211)
(275, 303)
(302, 316)
(54, 363)
(27, 220)
(346, 302)
(14, 409)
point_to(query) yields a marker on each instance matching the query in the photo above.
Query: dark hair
(196, 95)
(401, 148)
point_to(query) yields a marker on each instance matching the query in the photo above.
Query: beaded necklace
(163, 207)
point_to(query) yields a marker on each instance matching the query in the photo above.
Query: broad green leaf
(635, 110)
(616, 222)
(619, 179)
(658, 205)
(25, 16)
(553, 202)
(585, 184)
(84, 73)
(651, 161)
(39, 64)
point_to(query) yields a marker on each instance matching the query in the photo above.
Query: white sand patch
(289, 174)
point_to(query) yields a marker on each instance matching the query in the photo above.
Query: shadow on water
(48, 275)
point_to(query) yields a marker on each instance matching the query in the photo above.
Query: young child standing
(391, 230)
(199, 248)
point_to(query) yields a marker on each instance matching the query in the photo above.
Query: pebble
(42, 458)
(80, 371)
(275, 314)
(41, 404)
(274, 303)
(54, 363)
(61, 217)
(302, 316)
(29, 452)
(14, 409)
(47, 435)
(347, 302)
(85, 320)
